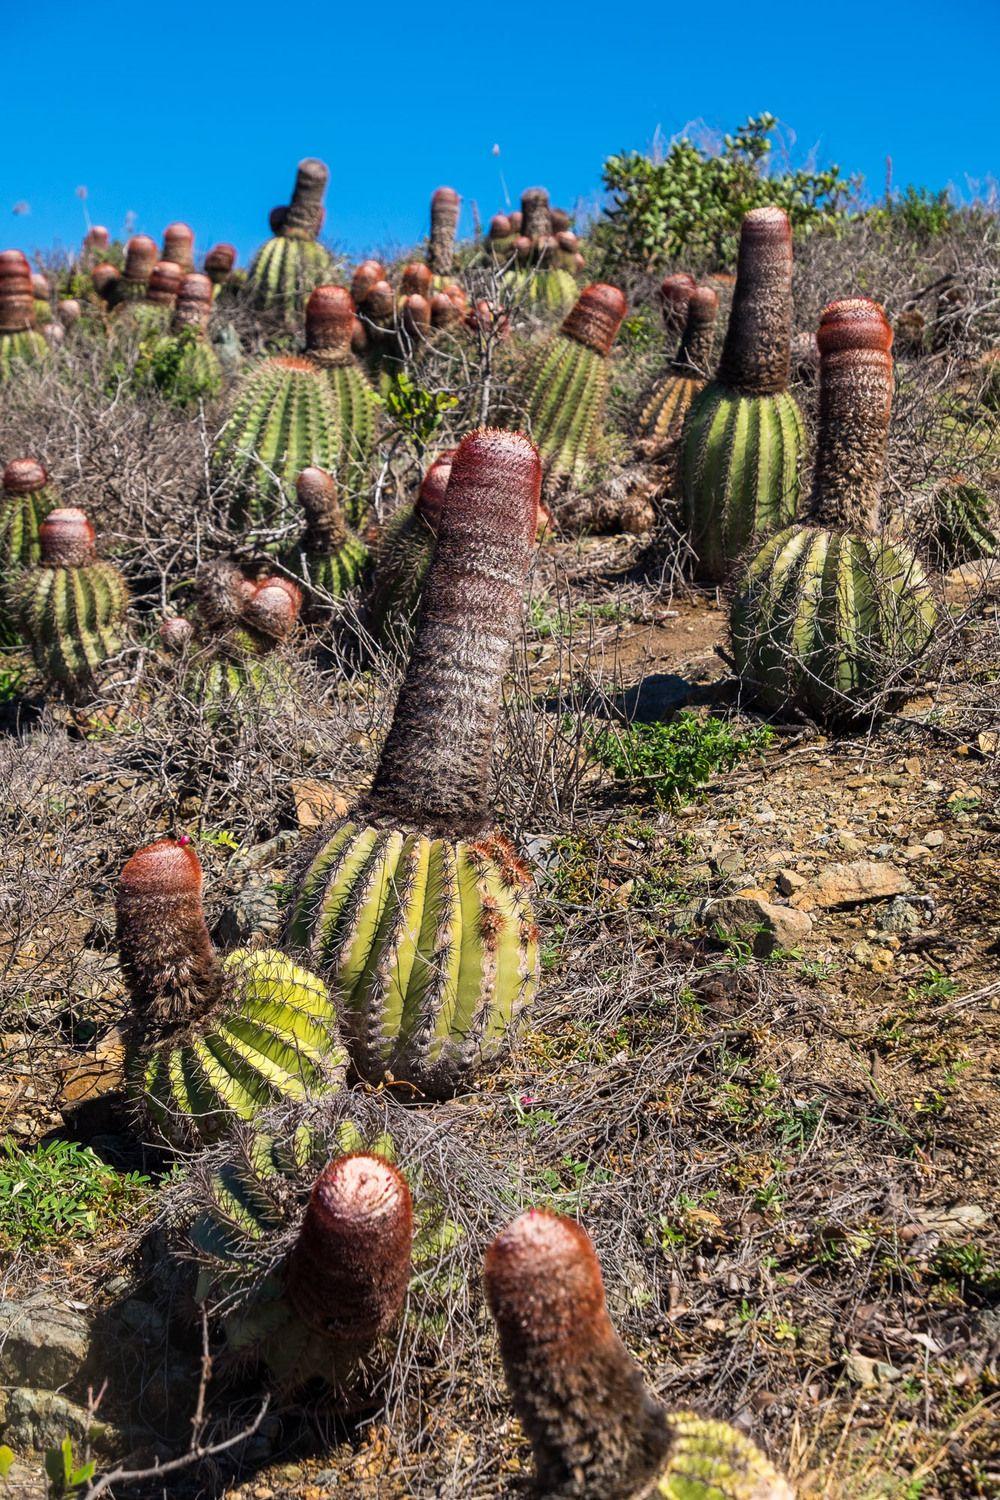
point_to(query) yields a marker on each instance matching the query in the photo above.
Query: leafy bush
(917, 211)
(691, 203)
(58, 1189)
(417, 412)
(674, 759)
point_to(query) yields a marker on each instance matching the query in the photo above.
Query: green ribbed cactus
(181, 364)
(212, 1040)
(331, 558)
(565, 384)
(330, 322)
(743, 438)
(415, 910)
(594, 1427)
(964, 523)
(285, 419)
(149, 315)
(400, 559)
(831, 616)
(661, 421)
(26, 498)
(20, 341)
(70, 607)
(287, 267)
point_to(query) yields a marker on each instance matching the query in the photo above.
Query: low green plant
(64, 1474)
(917, 211)
(674, 759)
(59, 1189)
(416, 411)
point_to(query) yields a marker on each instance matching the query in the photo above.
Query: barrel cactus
(211, 1040)
(231, 653)
(401, 557)
(964, 523)
(70, 607)
(150, 314)
(743, 438)
(329, 330)
(20, 341)
(286, 268)
(541, 264)
(594, 1427)
(331, 558)
(662, 420)
(831, 615)
(26, 498)
(181, 364)
(565, 383)
(132, 284)
(415, 910)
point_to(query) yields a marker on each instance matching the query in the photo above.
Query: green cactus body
(566, 388)
(334, 574)
(739, 472)
(551, 289)
(72, 618)
(966, 525)
(285, 419)
(430, 946)
(276, 1040)
(825, 619)
(140, 319)
(713, 1461)
(22, 512)
(184, 368)
(358, 407)
(663, 417)
(284, 271)
(400, 561)
(28, 347)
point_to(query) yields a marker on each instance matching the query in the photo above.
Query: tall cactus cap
(178, 245)
(171, 968)
(304, 217)
(193, 307)
(595, 320)
(348, 1271)
(330, 322)
(164, 283)
(434, 768)
(434, 487)
(445, 204)
(675, 294)
(855, 403)
(141, 256)
(67, 539)
(536, 218)
(317, 494)
(365, 276)
(756, 356)
(23, 476)
(219, 263)
(17, 297)
(699, 331)
(593, 1426)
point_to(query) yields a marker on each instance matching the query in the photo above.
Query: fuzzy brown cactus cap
(365, 276)
(536, 217)
(97, 238)
(415, 278)
(193, 307)
(164, 283)
(141, 256)
(756, 355)
(415, 315)
(105, 277)
(272, 609)
(219, 263)
(434, 487)
(675, 293)
(445, 205)
(593, 1426)
(695, 351)
(24, 476)
(66, 538)
(379, 304)
(175, 633)
(500, 227)
(303, 218)
(330, 324)
(17, 296)
(855, 405)
(178, 245)
(596, 317)
(326, 528)
(348, 1271)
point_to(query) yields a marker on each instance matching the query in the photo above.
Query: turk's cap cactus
(434, 487)
(69, 311)
(756, 354)
(596, 317)
(500, 227)
(349, 1269)
(175, 633)
(178, 245)
(66, 538)
(445, 205)
(105, 277)
(415, 312)
(445, 310)
(24, 476)
(417, 278)
(193, 307)
(854, 338)
(364, 278)
(303, 217)
(318, 496)
(674, 294)
(40, 286)
(141, 256)
(220, 262)
(379, 303)
(330, 322)
(17, 295)
(164, 283)
(97, 238)
(536, 215)
(273, 608)
(695, 348)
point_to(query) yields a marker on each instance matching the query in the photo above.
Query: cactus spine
(71, 607)
(286, 268)
(595, 1429)
(744, 433)
(20, 341)
(415, 910)
(565, 384)
(212, 1040)
(26, 499)
(662, 420)
(830, 615)
(329, 330)
(331, 558)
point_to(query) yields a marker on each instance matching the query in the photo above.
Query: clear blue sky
(205, 119)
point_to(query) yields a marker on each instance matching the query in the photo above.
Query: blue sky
(205, 120)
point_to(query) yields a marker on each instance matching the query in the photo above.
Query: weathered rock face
(42, 1341)
(36, 1420)
(763, 924)
(860, 880)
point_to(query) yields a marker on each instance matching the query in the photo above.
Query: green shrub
(690, 205)
(918, 212)
(59, 1189)
(673, 760)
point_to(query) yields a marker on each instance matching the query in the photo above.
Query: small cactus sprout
(445, 204)
(594, 1427)
(178, 246)
(564, 385)
(662, 421)
(830, 617)
(329, 332)
(285, 269)
(20, 341)
(182, 364)
(413, 907)
(400, 560)
(211, 1040)
(964, 523)
(220, 262)
(70, 607)
(744, 435)
(331, 558)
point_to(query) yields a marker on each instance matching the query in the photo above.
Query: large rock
(762, 924)
(858, 880)
(40, 1419)
(42, 1341)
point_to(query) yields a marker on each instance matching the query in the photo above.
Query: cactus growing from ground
(743, 437)
(182, 365)
(286, 268)
(542, 264)
(26, 498)
(413, 907)
(153, 312)
(662, 420)
(20, 341)
(964, 523)
(565, 383)
(595, 1429)
(445, 205)
(70, 607)
(330, 558)
(330, 322)
(401, 557)
(830, 615)
(211, 1039)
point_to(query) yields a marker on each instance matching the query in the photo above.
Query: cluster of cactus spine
(70, 607)
(330, 323)
(331, 558)
(964, 522)
(288, 266)
(182, 363)
(541, 251)
(412, 907)
(565, 383)
(661, 422)
(20, 341)
(594, 1427)
(26, 498)
(744, 432)
(831, 615)
(212, 1040)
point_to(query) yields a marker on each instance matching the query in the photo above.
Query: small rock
(315, 801)
(789, 881)
(860, 880)
(912, 767)
(934, 839)
(850, 844)
(899, 916)
(762, 923)
(865, 1371)
(42, 1341)
(41, 1419)
(913, 852)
